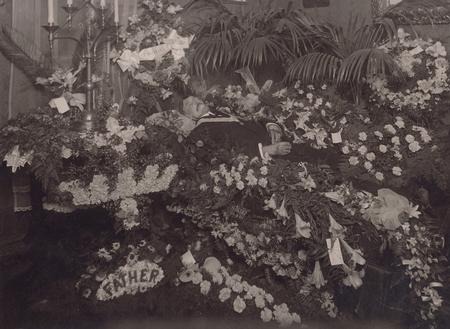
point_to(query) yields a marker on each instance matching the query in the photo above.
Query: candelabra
(93, 35)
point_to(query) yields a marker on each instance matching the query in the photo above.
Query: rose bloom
(379, 176)
(224, 294)
(390, 129)
(362, 136)
(400, 123)
(397, 171)
(370, 156)
(414, 147)
(362, 150)
(240, 185)
(368, 165)
(410, 138)
(382, 148)
(345, 150)
(395, 140)
(353, 160)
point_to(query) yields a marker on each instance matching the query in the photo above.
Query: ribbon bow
(174, 43)
(129, 60)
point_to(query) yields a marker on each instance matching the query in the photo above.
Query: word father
(130, 279)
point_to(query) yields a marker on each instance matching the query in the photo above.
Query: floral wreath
(423, 62)
(152, 49)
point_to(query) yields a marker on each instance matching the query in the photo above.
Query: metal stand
(93, 36)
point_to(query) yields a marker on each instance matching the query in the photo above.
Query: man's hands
(280, 148)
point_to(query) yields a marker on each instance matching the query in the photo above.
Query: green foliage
(347, 56)
(257, 38)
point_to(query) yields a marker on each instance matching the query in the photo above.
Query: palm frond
(364, 63)
(255, 51)
(20, 51)
(314, 67)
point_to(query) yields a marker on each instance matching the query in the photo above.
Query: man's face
(194, 108)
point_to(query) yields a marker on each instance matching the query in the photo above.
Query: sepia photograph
(230, 164)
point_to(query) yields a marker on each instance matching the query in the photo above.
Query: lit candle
(102, 4)
(51, 17)
(69, 3)
(116, 11)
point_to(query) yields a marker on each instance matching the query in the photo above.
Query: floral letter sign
(130, 279)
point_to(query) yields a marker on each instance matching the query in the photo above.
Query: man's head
(194, 107)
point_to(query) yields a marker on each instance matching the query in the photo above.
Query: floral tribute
(305, 230)
(153, 50)
(424, 63)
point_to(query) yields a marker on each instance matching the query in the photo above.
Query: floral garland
(424, 64)
(241, 289)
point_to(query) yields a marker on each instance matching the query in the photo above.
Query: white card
(416, 51)
(187, 259)
(60, 104)
(335, 252)
(336, 137)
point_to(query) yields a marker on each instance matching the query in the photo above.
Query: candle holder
(94, 34)
(70, 10)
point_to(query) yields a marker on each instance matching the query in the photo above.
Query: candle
(69, 3)
(116, 11)
(102, 4)
(51, 16)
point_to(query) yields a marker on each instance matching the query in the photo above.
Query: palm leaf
(23, 53)
(365, 63)
(255, 51)
(314, 67)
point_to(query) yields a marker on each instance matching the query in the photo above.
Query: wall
(338, 12)
(5, 66)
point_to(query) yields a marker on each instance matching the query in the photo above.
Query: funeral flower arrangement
(424, 63)
(276, 239)
(153, 50)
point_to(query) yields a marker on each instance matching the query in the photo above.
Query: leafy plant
(347, 56)
(258, 37)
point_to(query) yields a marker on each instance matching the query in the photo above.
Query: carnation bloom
(362, 136)
(260, 302)
(266, 315)
(368, 165)
(395, 140)
(345, 149)
(353, 160)
(362, 149)
(414, 146)
(382, 148)
(397, 171)
(224, 294)
(205, 286)
(409, 138)
(400, 123)
(370, 156)
(379, 176)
